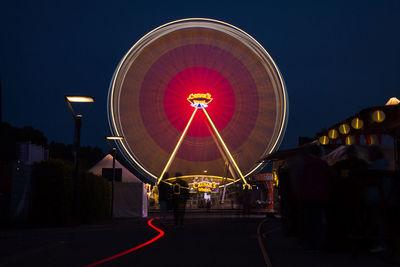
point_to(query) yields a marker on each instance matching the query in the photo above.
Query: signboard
(203, 184)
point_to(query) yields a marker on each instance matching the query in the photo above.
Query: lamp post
(114, 152)
(77, 139)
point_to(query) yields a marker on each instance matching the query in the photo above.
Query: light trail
(161, 233)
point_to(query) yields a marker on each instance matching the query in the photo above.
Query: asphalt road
(286, 252)
(204, 241)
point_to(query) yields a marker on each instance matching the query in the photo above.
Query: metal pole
(114, 151)
(77, 140)
(226, 178)
(397, 152)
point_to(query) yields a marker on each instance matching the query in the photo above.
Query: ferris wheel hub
(199, 101)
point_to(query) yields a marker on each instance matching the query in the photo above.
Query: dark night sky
(336, 57)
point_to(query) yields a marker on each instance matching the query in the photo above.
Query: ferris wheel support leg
(223, 153)
(171, 158)
(221, 150)
(231, 160)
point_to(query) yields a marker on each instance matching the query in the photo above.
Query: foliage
(52, 195)
(10, 136)
(52, 192)
(94, 197)
(89, 156)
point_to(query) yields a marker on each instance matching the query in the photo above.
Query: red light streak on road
(161, 233)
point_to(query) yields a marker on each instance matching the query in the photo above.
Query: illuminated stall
(367, 128)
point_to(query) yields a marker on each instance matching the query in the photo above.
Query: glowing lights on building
(323, 140)
(333, 134)
(378, 116)
(349, 140)
(371, 123)
(357, 123)
(344, 128)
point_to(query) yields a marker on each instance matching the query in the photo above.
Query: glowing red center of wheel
(199, 80)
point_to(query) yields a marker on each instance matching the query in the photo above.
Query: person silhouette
(179, 198)
(164, 195)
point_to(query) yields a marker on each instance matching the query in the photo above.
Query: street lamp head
(114, 137)
(79, 99)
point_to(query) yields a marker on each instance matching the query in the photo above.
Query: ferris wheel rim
(122, 145)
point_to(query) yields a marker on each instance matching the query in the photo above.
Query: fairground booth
(368, 127)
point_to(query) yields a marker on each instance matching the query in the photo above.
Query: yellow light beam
(222, 152)
(225, 147)
(171, 158)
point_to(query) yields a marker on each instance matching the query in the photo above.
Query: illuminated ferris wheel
(237, 109)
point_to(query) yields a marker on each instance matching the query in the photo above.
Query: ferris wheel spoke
(171, 158)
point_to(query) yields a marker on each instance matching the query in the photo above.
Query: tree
(52, 195)
(89, 156)
(10, 136)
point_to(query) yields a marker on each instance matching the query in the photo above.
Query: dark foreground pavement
(285, 251)
(206, 240)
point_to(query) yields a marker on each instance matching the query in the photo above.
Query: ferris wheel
(194, 96)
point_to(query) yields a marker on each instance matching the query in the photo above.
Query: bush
(52, 192)
(94, 198)
(52, 195)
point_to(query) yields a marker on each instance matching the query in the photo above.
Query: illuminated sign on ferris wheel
(199, 100)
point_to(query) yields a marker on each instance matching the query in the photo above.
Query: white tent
(130, 195)
(106, 162)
